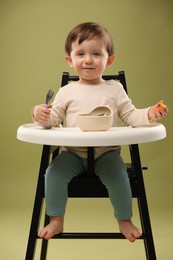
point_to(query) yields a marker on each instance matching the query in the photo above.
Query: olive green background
(32, 35)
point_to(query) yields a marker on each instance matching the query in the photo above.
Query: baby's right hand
(41, 113)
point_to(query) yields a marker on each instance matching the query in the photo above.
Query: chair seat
(87, 187)
(84, 186)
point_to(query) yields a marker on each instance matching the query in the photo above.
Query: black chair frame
(78, 187)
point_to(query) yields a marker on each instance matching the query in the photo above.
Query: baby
(89, 51)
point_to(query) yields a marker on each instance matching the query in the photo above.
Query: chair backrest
(79, 186)
(66, 78)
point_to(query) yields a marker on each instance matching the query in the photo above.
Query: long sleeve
(130, 115)
(74, 99)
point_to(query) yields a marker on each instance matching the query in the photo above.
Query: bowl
(99, 119)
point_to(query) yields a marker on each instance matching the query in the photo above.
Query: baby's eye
(80, 54)
(96, 53)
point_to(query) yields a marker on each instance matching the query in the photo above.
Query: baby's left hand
(157, 111)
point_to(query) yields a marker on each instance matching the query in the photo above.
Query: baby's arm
(41, 113)
(157, 111)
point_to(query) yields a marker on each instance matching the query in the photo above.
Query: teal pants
(109, 167)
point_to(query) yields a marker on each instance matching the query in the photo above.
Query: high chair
(79, 188)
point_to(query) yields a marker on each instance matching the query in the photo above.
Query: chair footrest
(91, 236)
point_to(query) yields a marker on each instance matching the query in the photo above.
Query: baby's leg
(112, 172)
(58, 175)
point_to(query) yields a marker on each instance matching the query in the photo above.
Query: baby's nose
(88, 59)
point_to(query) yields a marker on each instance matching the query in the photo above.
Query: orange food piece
(160, 106)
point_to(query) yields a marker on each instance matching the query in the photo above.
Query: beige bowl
(99, 119)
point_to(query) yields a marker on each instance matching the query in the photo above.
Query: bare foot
(129, 230)
(53, 228)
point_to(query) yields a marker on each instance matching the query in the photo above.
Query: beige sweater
(75, 98)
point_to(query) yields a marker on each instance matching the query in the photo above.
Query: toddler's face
(89, 60)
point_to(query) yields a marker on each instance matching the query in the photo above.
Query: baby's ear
(69, 61)
(110, 60)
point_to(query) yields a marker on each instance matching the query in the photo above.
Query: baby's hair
(88, 31)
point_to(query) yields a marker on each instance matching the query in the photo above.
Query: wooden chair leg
(143, 206)
(37, 209)
(44, 245)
